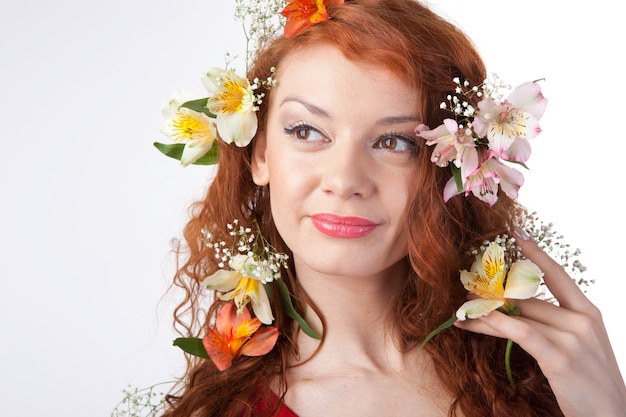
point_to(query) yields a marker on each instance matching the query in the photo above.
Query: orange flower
(301, 14)
(237, 334)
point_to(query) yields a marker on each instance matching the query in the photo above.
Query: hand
(568, 340)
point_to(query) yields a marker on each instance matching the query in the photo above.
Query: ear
(260, 171)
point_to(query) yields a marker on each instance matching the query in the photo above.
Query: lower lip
(343, 227)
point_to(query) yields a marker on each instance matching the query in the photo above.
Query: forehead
(322, 73)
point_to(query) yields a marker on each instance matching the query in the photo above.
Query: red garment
(283, 411)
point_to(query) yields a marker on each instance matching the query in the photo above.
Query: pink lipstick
(346, 227)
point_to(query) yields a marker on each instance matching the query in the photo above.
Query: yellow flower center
(186, 127)
(234, 97)
(320, 14)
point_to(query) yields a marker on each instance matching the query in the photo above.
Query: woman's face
(338, 154)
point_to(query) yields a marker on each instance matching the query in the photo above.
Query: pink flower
(451, 145)
(508, 125)
(484, 181)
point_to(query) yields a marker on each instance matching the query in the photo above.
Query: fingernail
(521, 234)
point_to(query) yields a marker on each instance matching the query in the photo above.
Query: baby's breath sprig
(254, 260)
(261, 22)
(460, 103)
(553, 243)
(142, 402)
(249, 243)
(512, 252)
(267, 84)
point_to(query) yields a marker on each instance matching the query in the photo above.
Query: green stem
(507, 362)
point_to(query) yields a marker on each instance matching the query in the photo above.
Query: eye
(395, 142)
(302, 131)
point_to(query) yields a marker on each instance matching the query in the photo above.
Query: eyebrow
(310, 107)
(389, 120)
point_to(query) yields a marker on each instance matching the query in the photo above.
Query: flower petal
(246, 328)
(238, 127)
(528, 97)
(217, 349)
(450, 190)
(519, 151)
(301, 14)
(179, 97)
(492, 262)
(222, 280)
(187, 125)
(510, 179)
(210, 79)
(261, 305)
(476, 308)
(523, 280)
(261, 343)
(225, 320)
(195, 150)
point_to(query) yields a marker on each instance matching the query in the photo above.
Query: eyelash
(293, 129)
(411, 142)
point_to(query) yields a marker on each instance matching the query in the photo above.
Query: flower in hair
(302, 14)
(509, 124)
(251, 264)
(236, 333)
(195, 130)
(228, 113)
(247, 265)
(484, 179)
(233, 101)
(244, 284)
(476, 141)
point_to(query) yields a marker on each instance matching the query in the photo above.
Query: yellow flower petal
(482, 286)
(187, 124)
(233, 95)
(493, 261)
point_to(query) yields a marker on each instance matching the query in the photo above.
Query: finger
(558, 281)
(574, 363)
(517, 329)
(552, 315)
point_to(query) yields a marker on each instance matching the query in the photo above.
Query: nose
(347, 171)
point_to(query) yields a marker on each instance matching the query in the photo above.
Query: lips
(346, 227)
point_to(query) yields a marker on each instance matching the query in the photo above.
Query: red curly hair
(426, 52)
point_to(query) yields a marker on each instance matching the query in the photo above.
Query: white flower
(244, 284)
(233, 102)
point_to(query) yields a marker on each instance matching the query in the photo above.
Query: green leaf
(439, 329)
(199, 105)
(192, 345)
(456, 173)
(285, 298)
(175, 150)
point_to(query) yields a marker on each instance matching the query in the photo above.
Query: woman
(336, 179)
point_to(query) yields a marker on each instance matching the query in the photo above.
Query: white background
(88, 206)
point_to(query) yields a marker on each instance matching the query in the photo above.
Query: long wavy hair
(426, 52)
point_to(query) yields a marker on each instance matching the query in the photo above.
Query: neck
(356, 315)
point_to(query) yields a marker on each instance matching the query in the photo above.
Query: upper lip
(345, 220)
